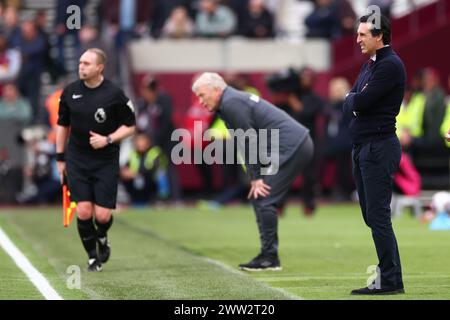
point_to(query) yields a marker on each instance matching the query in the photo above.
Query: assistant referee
(94, 116)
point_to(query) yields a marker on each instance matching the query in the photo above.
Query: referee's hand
(97, 141)
(61, 170)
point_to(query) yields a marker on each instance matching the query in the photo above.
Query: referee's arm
(98, 141)
(62, 134)
(122, 132)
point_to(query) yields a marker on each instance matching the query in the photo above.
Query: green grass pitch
(193, 254)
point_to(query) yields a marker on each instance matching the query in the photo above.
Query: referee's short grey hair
(101, 55)
(210, 79)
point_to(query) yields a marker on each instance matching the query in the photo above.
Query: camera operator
(41, 183)
(295, 94)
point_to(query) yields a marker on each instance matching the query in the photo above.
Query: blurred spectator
(127, 20)
(10, 63)
(214, 19)
(162, 9)
(14, 107)
(33, 50)
(145, 172)
(154, 118)
(257, 22)
(347, 17)
(179, 24)
(434, 111)
(337, 139)
(445, 127)
(241, 82)
(154, 112)
(384, 5)
(65, 36)
(41, 172)
(448, 88)
(10, 27)
(52, 107)
(52, 66)
(240, 8)
(305, 106)
(323, 22)
(409, 120)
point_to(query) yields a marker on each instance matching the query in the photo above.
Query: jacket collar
(382, 52)
(227, 88)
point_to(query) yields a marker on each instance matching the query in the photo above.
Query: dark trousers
(280, 183)
(374, 164)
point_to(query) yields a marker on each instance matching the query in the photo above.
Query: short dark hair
(150, 82)
(385, 26)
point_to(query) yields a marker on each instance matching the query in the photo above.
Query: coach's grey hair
(210, 79)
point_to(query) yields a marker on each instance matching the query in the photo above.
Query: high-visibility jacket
(445, 126)
(410, 116)
(150, 158)
(52, 106)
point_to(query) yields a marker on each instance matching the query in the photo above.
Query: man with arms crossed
(374, 102)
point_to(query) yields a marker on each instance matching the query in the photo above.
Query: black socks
(88, 236)
(102, 228)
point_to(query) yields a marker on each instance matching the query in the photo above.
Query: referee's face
(89, 67)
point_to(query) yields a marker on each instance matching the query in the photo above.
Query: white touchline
(25, 265)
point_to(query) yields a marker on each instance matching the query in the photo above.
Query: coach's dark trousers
(374, 164)
(280, 183)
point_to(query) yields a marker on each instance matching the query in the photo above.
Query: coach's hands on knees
(258, 188)
(97, 141)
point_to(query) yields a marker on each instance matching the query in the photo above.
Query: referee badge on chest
(100, 115)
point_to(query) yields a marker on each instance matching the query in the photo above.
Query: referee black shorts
(93, 179)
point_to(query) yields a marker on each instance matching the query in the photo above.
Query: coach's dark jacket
(375, 99)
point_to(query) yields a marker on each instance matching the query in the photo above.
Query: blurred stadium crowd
(39, 55)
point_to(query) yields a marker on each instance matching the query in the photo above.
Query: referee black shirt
(102, 110)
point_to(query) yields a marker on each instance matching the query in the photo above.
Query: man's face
(89, 66)
(209, 97)
(28, 30)
(148, 95)
(142, 143)
(368, 43)
(10, 93)
(208, 6)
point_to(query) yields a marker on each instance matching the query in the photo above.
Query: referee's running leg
(91, 237)
(93, 185)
